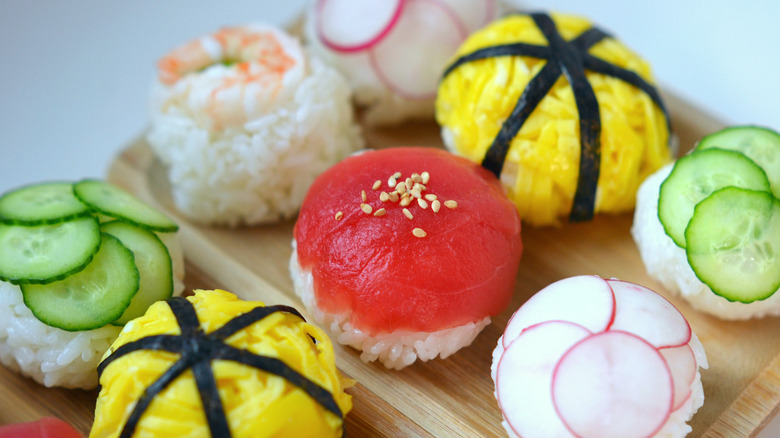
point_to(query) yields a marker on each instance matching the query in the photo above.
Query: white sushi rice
(259, 171)
(394, 350)
(667, 262)
(676, 425)
(56, 357)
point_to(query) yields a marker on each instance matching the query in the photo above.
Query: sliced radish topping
(473, 13)
(682, 364)
(613, 384)
(586, 300)
(648, 315)
(412, 56)
(524, 376)
(354, 25)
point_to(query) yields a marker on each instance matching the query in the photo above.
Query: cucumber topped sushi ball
(244, 119)
(405, 253)
(392, 52)
(561, 111)
(78, 261)
(708, 226)
(587, 357)
(211, 365)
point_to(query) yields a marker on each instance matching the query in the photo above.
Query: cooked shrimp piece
(234, 74)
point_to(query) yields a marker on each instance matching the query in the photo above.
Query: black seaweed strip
(275, 366)
(571, 62)
(589, 38)
(169, 343)
(209, 396)
(140, 407)
(600, 66)
(185, 315)
(246, 319)
(529, 99)
(514, 49)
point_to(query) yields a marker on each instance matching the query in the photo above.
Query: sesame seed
(421, 187)
(451, 204)
(405, 201)
(377, 185)
(421, 202)
(409, 183)
(435, 205)
(400, 188)
(339, 215)
(393, 196)
(419, 232)
(416, 177)
(430, 197)
(391, 182)
(366, 208)
(408, 214)
(425, 177)
(416, 193)
(380, 212)
(384, 197)
(397, 175)
(363, 195)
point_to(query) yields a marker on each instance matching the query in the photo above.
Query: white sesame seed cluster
(406, 193)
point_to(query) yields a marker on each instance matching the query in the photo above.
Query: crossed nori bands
(197, 350)
(570, 58)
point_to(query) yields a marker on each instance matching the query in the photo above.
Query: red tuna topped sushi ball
(405, 253)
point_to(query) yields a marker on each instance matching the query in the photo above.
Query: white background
(75, 74)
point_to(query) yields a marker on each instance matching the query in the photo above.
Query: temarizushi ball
(563, 112)
(214, 365)
(406, 253)
(244, 120)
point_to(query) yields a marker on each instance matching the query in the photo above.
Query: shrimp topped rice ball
(245, 120)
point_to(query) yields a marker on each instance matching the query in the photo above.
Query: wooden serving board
(451, 397)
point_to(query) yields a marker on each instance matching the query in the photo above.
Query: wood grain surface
(451, 397)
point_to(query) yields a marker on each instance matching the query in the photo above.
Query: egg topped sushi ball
(566, 115)
(214, 365)
(405, 253)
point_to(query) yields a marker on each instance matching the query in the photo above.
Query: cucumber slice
(154, 267)
(696, 176)
(734, 244)
(762, 145)
(47, 253)
(91, 298)
(112, 201)
(38, 204)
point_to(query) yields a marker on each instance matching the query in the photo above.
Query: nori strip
(197, 350)
(571, 59)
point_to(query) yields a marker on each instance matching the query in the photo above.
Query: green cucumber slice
(112, 201)
(91, 298)
(46, 253)
(154, 267)
(734, 244)
(762, 145)
(696, 176)
(39, 204)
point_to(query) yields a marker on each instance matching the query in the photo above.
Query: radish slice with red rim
(648, 315)
(683, 366)
(524, 377)
(355, 25)
(612, 385)
(586, 300)
(410, 59)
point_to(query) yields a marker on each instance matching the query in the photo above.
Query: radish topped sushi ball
(588, 357)
(244, 120)
(564, 113)
(392, 52)
(405, 253)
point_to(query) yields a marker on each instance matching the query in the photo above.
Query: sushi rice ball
(77, 261)
(392, 52)
(405, 253)
(244, 119)
(587, 357)
(214, 365)
(708, 226)
(565, 115)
